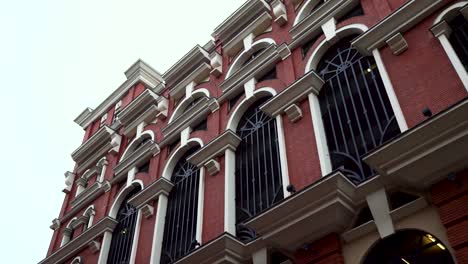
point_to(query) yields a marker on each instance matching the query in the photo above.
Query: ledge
(225, 249)
(399, 21)
(245, 20)
(259, 66)
(198, 75)
(311, 26)
(88, 194)
(322, 208)
(295, 93)
(152, 192)
(190, 118)
(145, 108)
(215, 148)
(79, 243)
(96, 147)
(428, 152)
(136, 158)
(140, 71)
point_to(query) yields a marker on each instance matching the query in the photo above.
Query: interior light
(405, 261)
(441, 246)
(369, 69)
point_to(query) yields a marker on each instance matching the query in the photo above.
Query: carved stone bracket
(212, 166)
(94, 246)
(279, 10)
(147, 211)
(397, 44)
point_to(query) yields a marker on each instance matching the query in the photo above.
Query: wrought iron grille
(356, 111)
(122, 237)
(459, 38)
(181, 216)
(258, 169)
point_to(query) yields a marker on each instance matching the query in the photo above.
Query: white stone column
(283, 155)
(378, 205)
(201, 199)
(103, 165)
(319, 133)
(105, 247)
(136, 236)
(229, 192)
(158, 235)
(131, 175)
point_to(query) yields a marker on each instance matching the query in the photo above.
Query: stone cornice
(89, 194)
(240, 23)
(140, 71)
(197, 75)
(152, 192)
(295, 93)
(215, 148)
(224, 249)
(135, 159)
(399, 21)
(426, 153)
(80, 242)
(96, 147)
(311, 26)
(322, 208)
(260, 65)
(145, 108)
(189, 118)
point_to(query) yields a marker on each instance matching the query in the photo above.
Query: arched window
(409, 246)
(122, 237)
(459, 38)
(181, 215)
(258, 167)
(69, 231)
(356, 112)
(88, 216)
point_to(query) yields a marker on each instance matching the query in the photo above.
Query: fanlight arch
(137, 142)
(247, 55)
(409, 246)
(187, 102)
(306, 9)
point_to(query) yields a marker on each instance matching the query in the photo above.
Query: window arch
(258, 167)
(138, 142)
(123, 234)
(409, 246)
(356, 112)
(69, 231)
(180, 231)
(247, 55)
(308, 7)
(188, 102)
(89, 217)
(451, 28)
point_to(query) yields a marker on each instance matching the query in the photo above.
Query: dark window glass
(459, 38)
(356, 111)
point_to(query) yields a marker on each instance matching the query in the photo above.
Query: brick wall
(326, 250)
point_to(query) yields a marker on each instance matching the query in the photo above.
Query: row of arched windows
(357, 117)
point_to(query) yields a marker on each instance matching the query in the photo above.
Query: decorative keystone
(94, 246)
(147, 211)
(397, 44)
(279, 10)
(293, 112)
(55, 224)
(212, 166)
(216, 62)
(115, 143)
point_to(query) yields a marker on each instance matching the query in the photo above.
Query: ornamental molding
(426, 153)
(322, 208)
(87, 195)
(152, 192)
(251, 17)
(311, 26)
(76, 245)
(145, 108)
(140, 71)
(215, 148)
(105, 140)
(407, 16)
(189, 118)
(295, 93)
(198, 75)
(69, 179)
(397, 44)
(441, 28)
(134, 159)
(255, 68)
(55, 224)
(279, 10)
(224, 249)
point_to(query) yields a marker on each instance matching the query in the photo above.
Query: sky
(58, 57)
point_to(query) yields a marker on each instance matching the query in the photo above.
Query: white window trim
(443, 37)
(316, 115)
(189, 97)
(66, 238)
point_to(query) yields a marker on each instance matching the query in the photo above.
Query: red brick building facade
(306, 131)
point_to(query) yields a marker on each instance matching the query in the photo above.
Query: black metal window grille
(459, 38)
(356, 112)
(258, 167)
(181, 215)
(122, 237)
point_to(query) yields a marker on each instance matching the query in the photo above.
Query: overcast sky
(56, 58)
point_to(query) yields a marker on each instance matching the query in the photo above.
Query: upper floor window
(181, 215)
(258, 167)
(459, 38)
(356, 112)
(122, 237)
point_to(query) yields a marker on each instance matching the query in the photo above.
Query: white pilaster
(105, 247)
(320, 137)
(329, 29)
(131, 175)
(184, 136)
(248, 41)
(201, 198)
(453, 57)
(140, 129)
(249, 88)
(229, 192)
(189, 89)
(136, 236)
(158, 235)
(283, 155)
(378, 205)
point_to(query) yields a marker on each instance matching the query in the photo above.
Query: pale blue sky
(56, 58)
